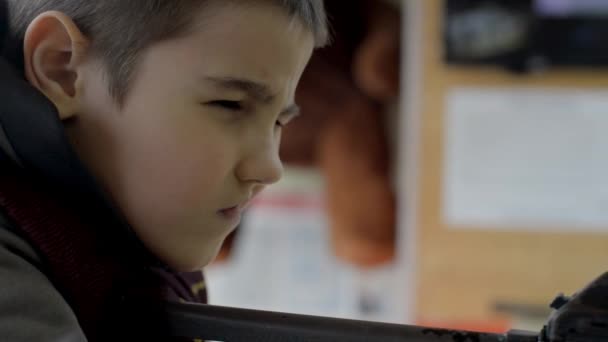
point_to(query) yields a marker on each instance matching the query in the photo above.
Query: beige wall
(460, 274)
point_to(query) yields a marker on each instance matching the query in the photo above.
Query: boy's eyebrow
(255, 90)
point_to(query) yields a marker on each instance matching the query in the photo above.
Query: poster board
(462, 272)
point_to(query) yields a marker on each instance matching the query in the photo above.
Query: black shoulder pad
(3, 23)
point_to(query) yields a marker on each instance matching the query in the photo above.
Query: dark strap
(92, 272)
(83, 271)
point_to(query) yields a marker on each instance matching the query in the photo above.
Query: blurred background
(449, 169)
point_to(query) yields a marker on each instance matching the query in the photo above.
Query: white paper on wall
(526, 159)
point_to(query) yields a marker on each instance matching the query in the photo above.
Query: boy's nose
(262, 166)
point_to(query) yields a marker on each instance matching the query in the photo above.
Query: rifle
(582, 317)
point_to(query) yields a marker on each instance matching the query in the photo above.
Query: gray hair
(121, 29)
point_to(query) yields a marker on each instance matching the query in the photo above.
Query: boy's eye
(227, 104)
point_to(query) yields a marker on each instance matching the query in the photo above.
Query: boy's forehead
(259, 22)
(238, 43)
(308, 15)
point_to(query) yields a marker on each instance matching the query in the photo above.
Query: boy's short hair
(121, 29)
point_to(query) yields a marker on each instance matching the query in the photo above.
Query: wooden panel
(463, 273)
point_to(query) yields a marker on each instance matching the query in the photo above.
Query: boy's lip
(230, 213)
(239, 207)
(234, 213)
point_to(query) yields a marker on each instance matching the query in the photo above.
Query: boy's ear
(54, 49)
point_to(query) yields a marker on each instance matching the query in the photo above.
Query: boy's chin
(194, 262)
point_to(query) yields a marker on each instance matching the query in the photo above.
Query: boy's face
(198, 134)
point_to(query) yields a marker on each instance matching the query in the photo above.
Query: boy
(142, 132)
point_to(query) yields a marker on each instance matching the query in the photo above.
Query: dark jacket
(70, 266)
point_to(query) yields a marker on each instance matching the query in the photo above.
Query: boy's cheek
(171, 180)
(181, 176)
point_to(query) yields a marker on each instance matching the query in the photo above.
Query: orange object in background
(353, 155)
(354, 152)
(377, 60)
